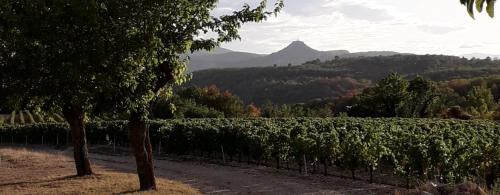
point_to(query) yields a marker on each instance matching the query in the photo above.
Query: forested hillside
(340, 77)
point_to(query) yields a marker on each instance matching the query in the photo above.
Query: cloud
(361, 12)
(311, 8)
(363, 25)
(437, 29)
(466, 46)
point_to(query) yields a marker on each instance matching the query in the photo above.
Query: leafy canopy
(479, 5)
(166, 30)
(53, 53)
(108, 54)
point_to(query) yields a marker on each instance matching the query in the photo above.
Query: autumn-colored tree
(253, 111)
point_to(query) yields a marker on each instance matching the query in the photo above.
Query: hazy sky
(416, 26)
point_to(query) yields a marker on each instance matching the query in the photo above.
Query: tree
(214, 98)
(109, 56)
(161, 32)
(181, 107)
(480, 100)
(386, 99)
(52, 55)
(423, 94)
(479, 4)
(269, 110)
(253, 111)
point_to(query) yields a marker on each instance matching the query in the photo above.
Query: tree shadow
(38, 182)
(127, 192)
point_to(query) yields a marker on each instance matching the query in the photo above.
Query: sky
(409, 26)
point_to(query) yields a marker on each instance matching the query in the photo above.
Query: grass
(26, 171)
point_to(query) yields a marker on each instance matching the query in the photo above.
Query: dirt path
(217, 179)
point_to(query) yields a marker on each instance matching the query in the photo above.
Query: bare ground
(210, 178)
(26, 171)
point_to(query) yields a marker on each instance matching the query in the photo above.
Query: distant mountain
(481, 56)
(217, 50)
(296, 53)
(206, 60)
(373, 54)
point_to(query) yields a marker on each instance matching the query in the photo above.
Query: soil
(204, 176)
(239, 178)
(47, 171)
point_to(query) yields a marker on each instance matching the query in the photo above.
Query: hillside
(204, 60)
(481, 56)
(295, 54)
(330, 79)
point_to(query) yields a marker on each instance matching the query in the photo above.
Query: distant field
(28, 117)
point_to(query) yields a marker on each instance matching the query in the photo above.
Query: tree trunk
(143, 152)
(371, 174)
(75, 118)
(325, 166)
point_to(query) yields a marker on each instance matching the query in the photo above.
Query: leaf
(479, 5)
(490, 8)
(470, 8)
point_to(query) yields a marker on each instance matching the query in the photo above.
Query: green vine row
(417, 149)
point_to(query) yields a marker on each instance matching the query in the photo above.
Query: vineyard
(27, 117)
(416, 150)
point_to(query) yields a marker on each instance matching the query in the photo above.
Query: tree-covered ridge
(340, 77)
(211, 102)
(374, 68)
(395, 96)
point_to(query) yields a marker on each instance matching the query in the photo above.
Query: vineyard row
(416, 149)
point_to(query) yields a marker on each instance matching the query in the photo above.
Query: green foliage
(104, 56)
(32, 133)
(394, 96)
(337, 78)
(310, 109)
(479, 4)
(423, 95)
(480, 100)
(190, 109)
(214, 98)
(496, 187)
(418, 149)
(156, 60)
(207, 102)
(211, 102)
(387, 99)
(54, 53)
